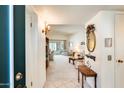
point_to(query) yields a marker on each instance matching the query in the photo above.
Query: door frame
(118, 13)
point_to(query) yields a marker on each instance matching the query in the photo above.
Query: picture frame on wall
(108, 42)
(82, 43)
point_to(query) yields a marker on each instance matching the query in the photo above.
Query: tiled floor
(61, 74)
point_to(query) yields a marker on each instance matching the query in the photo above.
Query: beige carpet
(61, 74)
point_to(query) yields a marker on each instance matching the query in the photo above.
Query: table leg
(82, 81)
(95, 82)
(85, 78)
(73, 61)
(78, 75)
(69, 60)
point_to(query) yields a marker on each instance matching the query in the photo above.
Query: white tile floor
(61, 74)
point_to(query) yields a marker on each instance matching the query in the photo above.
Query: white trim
(11, 50)
(115, 67)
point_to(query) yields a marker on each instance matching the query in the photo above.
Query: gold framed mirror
(91, 38)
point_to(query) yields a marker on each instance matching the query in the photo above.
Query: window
(53, 46)
(57, 46)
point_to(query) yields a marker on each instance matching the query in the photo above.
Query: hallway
(61, 74)
(31, 34)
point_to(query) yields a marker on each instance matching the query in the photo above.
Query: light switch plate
(109, 57)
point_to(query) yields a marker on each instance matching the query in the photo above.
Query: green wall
(4, 46)
(19, 45)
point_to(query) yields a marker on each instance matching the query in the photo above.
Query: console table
(73, 59)
(87, 72)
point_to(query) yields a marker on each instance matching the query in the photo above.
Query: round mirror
(91, 38)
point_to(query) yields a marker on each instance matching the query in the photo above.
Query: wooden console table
(87, 72)
(73, 59)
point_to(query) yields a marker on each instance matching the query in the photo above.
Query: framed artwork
(108, 42)
(82, 43)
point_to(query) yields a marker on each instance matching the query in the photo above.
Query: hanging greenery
(90, 28)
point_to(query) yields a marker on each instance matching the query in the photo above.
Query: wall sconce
(46, 28)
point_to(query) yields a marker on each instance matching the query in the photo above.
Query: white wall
(42, 53)
(35, 51)
(58, 37)
(76, 40)
(104, 23)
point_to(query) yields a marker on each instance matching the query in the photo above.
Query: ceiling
(60, 15)
(71, 14)
(65, 29)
